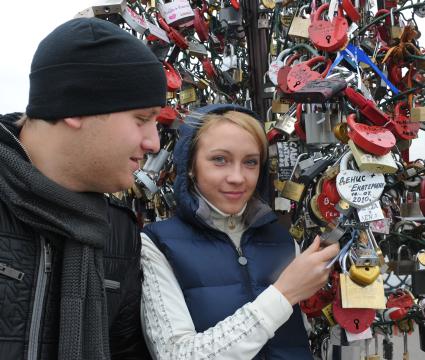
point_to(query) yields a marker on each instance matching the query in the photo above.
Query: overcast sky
(29, 21)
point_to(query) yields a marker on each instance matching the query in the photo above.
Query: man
(95, 92)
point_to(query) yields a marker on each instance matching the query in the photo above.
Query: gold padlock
(292, 190)
(170, 95)
(417, 113)
(299, 27)
(187, 95)
(363, 275)
(384, 164)
(340, 131)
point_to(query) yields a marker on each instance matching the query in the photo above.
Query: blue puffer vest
(205, 260)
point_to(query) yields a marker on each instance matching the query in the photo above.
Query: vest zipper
(44, 267)
(17, 140)
(11, 272)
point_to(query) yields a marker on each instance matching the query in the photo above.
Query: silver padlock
(319, 125)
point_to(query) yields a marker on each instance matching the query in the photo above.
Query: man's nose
(150, 142)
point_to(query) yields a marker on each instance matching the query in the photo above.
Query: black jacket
(29, 306)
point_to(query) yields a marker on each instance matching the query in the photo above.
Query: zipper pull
(47, 258)
(11, 272)
(241, 259)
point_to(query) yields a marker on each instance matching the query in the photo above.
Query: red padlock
(201, 26)
(373, 139)
(400, 303)
(167, 115)
(384, 29)
(282, 75)
(401, 126)
(330, 189)
(327, 208)
(174, 80)
(313, 306)
(328, 36)
(353, 320)
(422, 197)
(350, 10)
(209, 68)
(367, 107)
(273, 135)
(235, 4)
(173, 34)
(301, 74)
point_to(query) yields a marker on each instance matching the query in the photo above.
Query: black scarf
(79, 220)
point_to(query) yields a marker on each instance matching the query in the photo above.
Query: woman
(213, 281)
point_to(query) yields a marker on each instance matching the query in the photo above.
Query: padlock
(229, 16)
(319, 125)
(363, 275)
(282, 74)
(176, 12)
(167, 115)
(403, 265)
(418, 275)
(287, 153)
(134, 20)
(340, 131)
(352, 319)
(351, 10)
(187, 94)
(301, 74)
(329, 36)
(300, 24)
(197, 49)
(172, 33)
(292, 190)
(319, 91)
(286, 124)
(199, 23)
(417, 113)
(229, 59)
(275, 66)
(263, 21)
(313, 306)
(174, 80)
(399, 303)
(314, 206)
(409, 206)
(109, 7)
(377, 164)
(367, 108)
(401, 126)
(395, 29)
(327, 199)
(278, 106)
(358, 188)
(373, 139)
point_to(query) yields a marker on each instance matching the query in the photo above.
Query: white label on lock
(134, 20)
(274, 68)
(158, 32)
(176, 10)
(360, 189)
(371, 213)
(380, 226)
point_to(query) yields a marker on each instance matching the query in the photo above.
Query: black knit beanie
(90, 67)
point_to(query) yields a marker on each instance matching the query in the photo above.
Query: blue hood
(187, 202)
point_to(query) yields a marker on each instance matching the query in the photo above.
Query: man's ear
(74, 122)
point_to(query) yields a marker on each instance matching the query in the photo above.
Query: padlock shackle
(318, 13)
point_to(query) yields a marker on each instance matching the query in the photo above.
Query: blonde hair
(237, 118)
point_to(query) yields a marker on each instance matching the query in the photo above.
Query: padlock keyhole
(356, 322)
(328, 38)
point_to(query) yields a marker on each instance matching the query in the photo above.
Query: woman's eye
(219, 160)
(252, 162)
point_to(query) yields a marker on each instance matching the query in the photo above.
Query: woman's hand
(307, 273)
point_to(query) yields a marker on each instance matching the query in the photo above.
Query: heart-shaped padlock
(354, 320)
(401, 125)
(401, 301)
(358, 188)
(282, 75)
(301, 74)
(174, 80)
(327, 208)
(328, 36)
(313, 306)
(373, 139)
